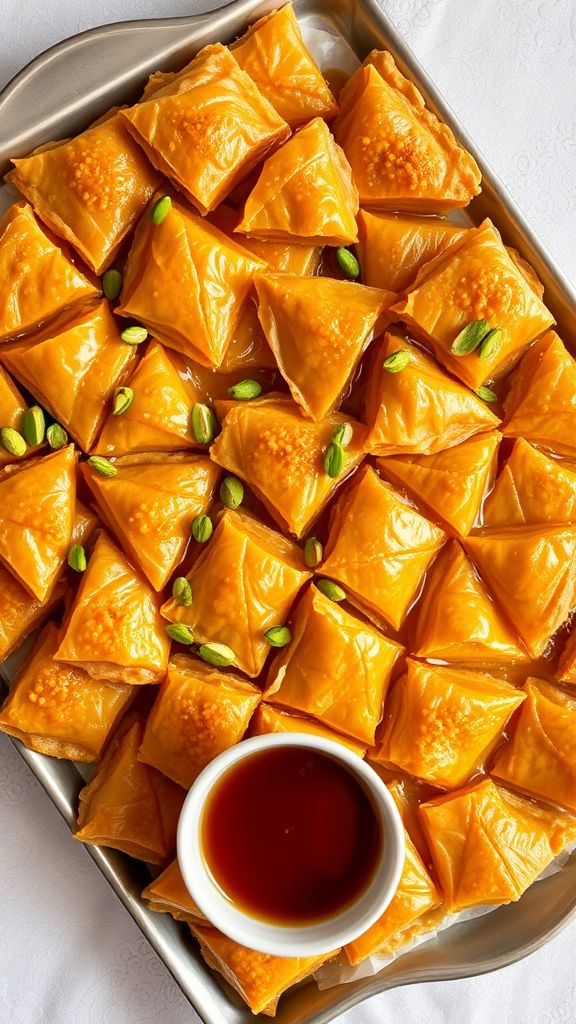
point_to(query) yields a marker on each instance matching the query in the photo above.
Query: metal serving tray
(58, 94)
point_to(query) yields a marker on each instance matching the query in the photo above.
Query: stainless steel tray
(58, 94)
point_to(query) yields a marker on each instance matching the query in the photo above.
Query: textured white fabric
(69, 953)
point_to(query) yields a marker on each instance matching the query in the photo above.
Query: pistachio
(180, 633)
(56, 436)
(112, 284)
(313, 552)
(491, 343)
(231, 492)
(34, 425)
(334, 460)
(486, 394)
(13, 442)
(469, 337)
(342, 435)
(161, 209)
(278, 636)
(122, 400)
(134, 335)
(330, 589)
(216, 654)
(245, 390)
(182, 591)
(397, 361)
(203, 423)
(102, 466)
(77, 558)
(202, 529)
(347, 262)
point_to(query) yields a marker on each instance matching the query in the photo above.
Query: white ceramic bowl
(287, 940)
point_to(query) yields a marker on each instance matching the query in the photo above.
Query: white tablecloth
(69, 953)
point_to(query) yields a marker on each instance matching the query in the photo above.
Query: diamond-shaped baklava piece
(379, 547)
(243, 583)
(541, 402)
(199, 712)
(91, 189)
(207, 127)
(392, 247)
(337, 668)
(531, 489)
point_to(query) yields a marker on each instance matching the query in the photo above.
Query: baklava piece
(392, 247)
(531, 489)
(267, 719)
(541, 402)
(167, 894)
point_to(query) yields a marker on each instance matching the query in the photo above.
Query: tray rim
(220, 19)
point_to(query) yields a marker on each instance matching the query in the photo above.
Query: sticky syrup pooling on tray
(302, 457)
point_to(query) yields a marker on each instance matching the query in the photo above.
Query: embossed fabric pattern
(69, 952)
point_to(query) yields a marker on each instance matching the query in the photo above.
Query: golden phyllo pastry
(318, 328)
(20, 613)
(540, 757)
(243, 583)
(85, 524)
(207, 128)
(305, 192)
(415, 896)
(58, 709)
(127, 805)
(38, 280)
(402, 156)
(489, 845)
(90, 190)
(36, 517)
(74, 373)
(531, 489)
(267, 719)
(541, 402)
(458, 620)
(275, 56)
(188, 283)
(259, 978)
(442, 723)
(12, 409)
(167, 894)
(199, 712)
(392, 247)
(418, 410)
(113, 629)
(337, 668)
(280, 455)
(288, 257)
(532, 574)
(150, 505)
(379, 547)
(566, 670)
(452, 483)
(474, 281)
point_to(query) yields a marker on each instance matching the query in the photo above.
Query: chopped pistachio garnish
(182, 591)
(278, 636)
(112, 284)
(202, 529)
(347, 262)
(486, 394)
(56, 436)
(161, 209)
(245, 390)
(396, 361)
(102, 465)
(231, 492)
(13, 442)
(334, 460)
(491, 343)
(77, 558)
(203, 423)
(330, 589)
(34, 426)
(122, 400)
(180, 633)
(216, 654)
(469, 337)
(134, 335)
(342, 435)
(313, 552)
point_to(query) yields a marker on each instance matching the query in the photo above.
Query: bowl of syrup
(290, 844)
